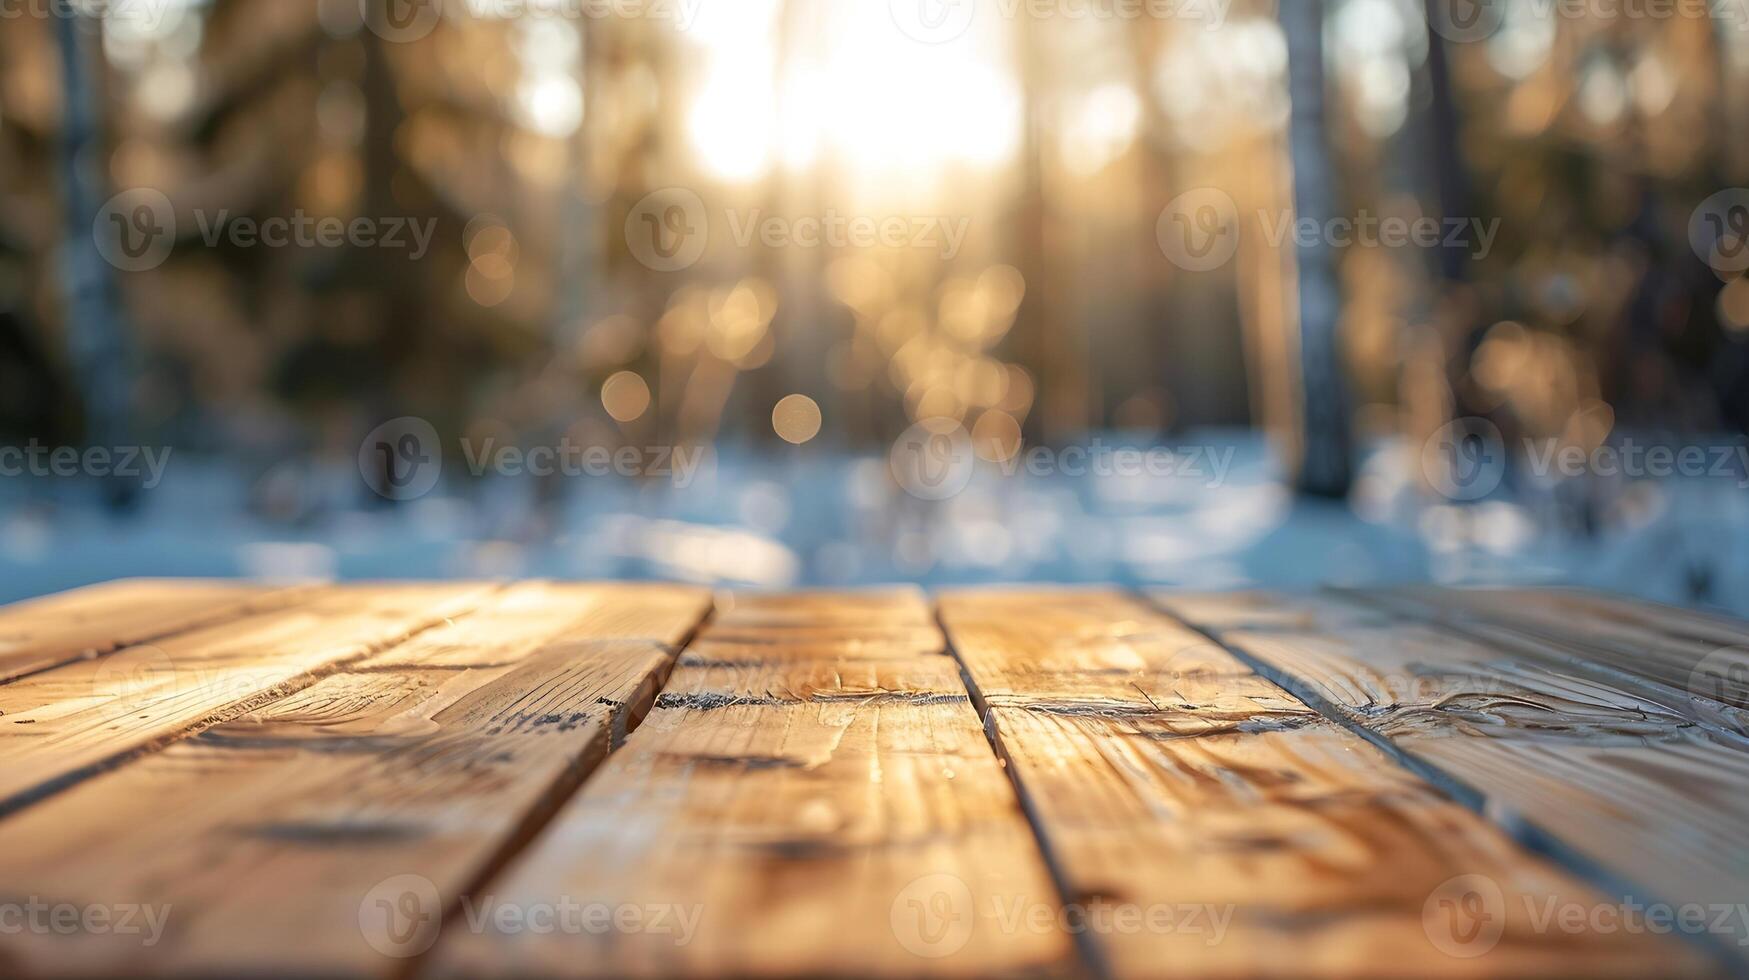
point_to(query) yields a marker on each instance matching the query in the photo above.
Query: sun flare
(844, 88)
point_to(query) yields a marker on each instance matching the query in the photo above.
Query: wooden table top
(540, 779)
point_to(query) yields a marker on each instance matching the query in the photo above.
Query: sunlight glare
(732, 122)
(855, 94)
(1101, 128)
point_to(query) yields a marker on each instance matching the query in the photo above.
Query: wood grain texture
(61, 724)
(1693, 662)
(1269, 611)
(422, 780)
(275, 839)
(809, 814)
(1713, 629)
(1240, 832)
(1596, 771)
(100, 619)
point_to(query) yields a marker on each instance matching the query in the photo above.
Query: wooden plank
(787, 813)
(1713, 629)
(1694, 662)
(821, 627)
(60, 725)
(1235, 830)
(100, 619)
(403, 777)
(1263, 611)
(1609, 780)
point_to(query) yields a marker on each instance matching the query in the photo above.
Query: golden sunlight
(843, 87)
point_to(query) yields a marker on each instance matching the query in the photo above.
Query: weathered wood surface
(61, 724)
(452, 781)
(100, 619)
(331, 831)
(1693, 661)
(812, 795)
(1596, 771)
(1603, 608)
(1241, 833)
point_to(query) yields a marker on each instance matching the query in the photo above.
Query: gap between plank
(1526, 834)
(284, 689)
(620, 725)
(1092, 956)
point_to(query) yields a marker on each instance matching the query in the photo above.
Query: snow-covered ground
(817, 519)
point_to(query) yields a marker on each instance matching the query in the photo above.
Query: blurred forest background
(530, 132)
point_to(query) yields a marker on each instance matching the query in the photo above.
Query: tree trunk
(96, 339)
(1324, 464)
